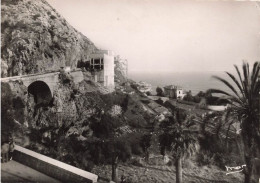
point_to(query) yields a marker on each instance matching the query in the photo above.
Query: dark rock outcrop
(35, 38)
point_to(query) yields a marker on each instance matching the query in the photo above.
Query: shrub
(52, 17)
(136, 149)
(65, 78)
(159, 101)
(188, 97)
(159, 91)
(7, 110)
(36, 16)
(137, 162)
(89, 165)
(148, 93)
(35, 24)
(10, 2)
(220, 160)
(170, 163)
(21, 25)
(205, 158)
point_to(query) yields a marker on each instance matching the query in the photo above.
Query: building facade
(175, 92)
(101, 64)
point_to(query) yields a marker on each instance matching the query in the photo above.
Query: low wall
(52, 167)
(216, 107)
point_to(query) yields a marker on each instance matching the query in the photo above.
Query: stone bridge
(42, 86)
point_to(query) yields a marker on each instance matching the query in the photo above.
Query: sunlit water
(188, 81)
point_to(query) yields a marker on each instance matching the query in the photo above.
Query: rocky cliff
(35, 38)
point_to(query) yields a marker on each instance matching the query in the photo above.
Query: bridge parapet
(52, 167)
(13, 78)
(51, 79)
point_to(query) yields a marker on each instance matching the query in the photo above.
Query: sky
(169, 36)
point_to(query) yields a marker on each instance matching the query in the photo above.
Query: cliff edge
(36, 39)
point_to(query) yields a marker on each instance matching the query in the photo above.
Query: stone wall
(52, 167)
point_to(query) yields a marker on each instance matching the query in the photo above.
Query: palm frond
(245, 81)
(218, 91)
(227, 84)
(239, 75)
(255, 67)
(254, 77)
(236, 81)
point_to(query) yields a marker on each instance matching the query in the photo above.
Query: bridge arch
(41, 92)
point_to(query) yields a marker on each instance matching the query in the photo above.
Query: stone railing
(51, 167)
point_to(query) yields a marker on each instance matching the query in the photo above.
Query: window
(97, 61)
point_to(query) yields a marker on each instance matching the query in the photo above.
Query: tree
(145, 144)
(109, 144)
(7, 111)
(117, 149)
(148, 93)
(188, 97)
(179, 139)
(159, 91)
(244, 102)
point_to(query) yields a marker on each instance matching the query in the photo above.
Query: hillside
(35, 38)
(82, 124)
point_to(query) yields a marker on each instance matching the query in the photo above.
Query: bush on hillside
(159, 92)
(148, 93)
(65, 78)
(205, 158)
(36, 16)
(8, 124)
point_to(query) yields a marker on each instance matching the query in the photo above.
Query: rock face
(120, 70)
(35, 39)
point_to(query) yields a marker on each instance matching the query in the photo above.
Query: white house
(173, 91)
(102, 65)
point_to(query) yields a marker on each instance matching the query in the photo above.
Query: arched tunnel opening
(41, 92)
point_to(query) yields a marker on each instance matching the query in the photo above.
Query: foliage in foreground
(244, 102)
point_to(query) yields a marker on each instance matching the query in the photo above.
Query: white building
(102, 65)
(172, 91)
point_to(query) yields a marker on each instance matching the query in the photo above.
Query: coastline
(193, 81)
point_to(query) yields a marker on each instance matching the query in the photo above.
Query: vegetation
(159, 92)
(65, 77)
(148, 93)
(7, 121)
(145, 144)
(110, 145)
(211, 100)
(36, 16)
(179, 139)
(244, 102)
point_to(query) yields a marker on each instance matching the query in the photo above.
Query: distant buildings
(101, 64)
(172, 91)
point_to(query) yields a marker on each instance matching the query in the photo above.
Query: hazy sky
(169, 35)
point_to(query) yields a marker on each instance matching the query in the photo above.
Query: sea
(194, 81)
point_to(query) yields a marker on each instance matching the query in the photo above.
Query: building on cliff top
(175, 92)
(101, 64)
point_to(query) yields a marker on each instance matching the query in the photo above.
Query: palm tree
(244, 102)
(180, 139)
